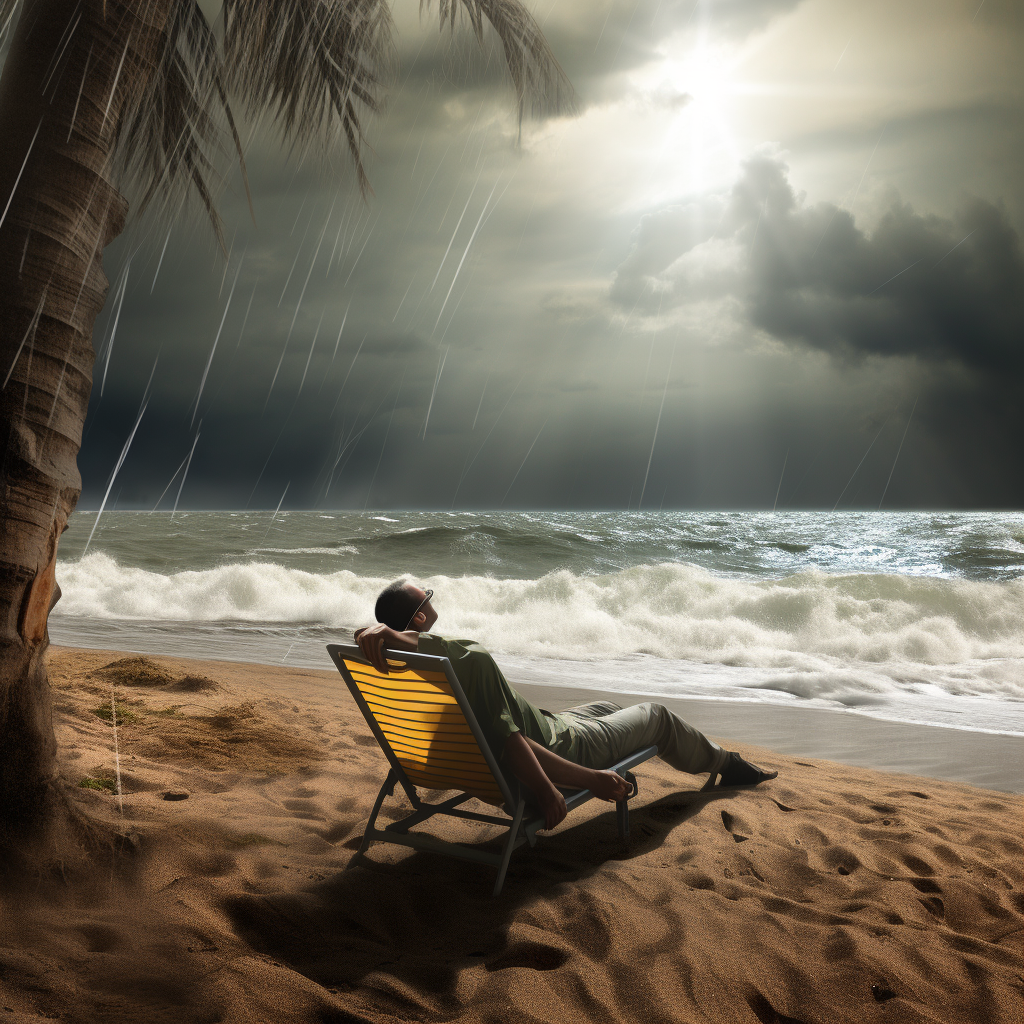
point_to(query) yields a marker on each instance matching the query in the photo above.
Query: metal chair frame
(521, 829)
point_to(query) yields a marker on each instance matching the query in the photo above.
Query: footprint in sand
(811, 835)
(308, 810)
(100, 938)
(764, 1011)
(698, 880)
(736, 827)
(533, 956)
(844, 861)
(918, 866)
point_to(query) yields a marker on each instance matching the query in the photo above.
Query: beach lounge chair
(422, 720)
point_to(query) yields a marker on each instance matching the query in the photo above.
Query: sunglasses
(429, 594)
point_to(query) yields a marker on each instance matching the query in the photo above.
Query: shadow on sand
(423, 920)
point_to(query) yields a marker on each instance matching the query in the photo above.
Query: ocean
(907, 616)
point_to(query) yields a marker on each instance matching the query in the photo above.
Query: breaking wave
(816, 634)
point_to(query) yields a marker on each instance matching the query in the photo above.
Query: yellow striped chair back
(421, 714)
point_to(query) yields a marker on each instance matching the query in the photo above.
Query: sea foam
(849, 637)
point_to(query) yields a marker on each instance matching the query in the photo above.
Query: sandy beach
(837, 892)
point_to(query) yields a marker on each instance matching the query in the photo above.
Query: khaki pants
(603, 733)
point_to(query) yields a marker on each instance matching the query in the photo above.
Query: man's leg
(600, 742)
(596, 709)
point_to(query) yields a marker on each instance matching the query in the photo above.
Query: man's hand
(520, 756)
(609, 785)
(552, 803)
(374, 640)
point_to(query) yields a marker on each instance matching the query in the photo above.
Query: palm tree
(96, 95)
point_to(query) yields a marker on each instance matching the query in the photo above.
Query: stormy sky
(774, 257)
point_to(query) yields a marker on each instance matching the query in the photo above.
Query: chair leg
(386, 790)
(622, 807)
(622, 818)
(510, 842)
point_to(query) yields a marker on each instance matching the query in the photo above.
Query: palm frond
(170, 129)
(311, 64)
(315, 66)
(314, 63)
(536, 75)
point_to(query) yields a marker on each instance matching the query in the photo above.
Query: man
(572, 749)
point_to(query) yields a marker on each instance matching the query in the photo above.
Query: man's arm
(542, 771)
(374, 640)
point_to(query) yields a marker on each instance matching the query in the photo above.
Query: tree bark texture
(61, 93)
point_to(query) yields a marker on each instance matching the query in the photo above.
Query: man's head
(402, 605)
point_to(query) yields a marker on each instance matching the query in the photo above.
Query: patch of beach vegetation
(103, 785)
(141, 671)
(124, 714)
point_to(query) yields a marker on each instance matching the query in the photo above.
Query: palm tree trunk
(59, 210)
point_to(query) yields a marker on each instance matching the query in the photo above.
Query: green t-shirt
(498, 708)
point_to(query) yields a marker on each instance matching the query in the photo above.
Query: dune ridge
(830, 894)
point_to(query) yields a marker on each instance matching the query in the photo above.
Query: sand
(834, 893)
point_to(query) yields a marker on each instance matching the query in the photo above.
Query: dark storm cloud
(562, 334)
(980, 142)
(933, 287)
(929, 307)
